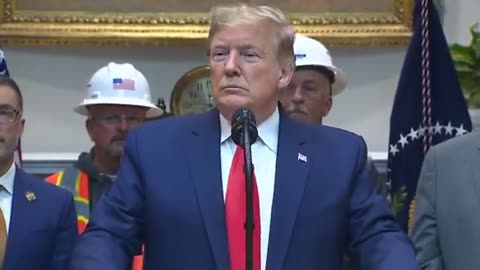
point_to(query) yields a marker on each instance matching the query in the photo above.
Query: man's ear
(88, 126)
(286, 74)
(22, 126)
(327, 107)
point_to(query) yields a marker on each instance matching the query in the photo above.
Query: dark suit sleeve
(377, 242)
(425, 231)
(66, 235)
(114, 233)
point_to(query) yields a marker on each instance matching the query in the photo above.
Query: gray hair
(238, 14)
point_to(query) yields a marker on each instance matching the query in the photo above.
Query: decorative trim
(48, 163)
(44, 28)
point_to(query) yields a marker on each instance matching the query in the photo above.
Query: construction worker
(117, 100)
(308, 97)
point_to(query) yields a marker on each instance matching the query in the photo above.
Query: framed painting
(162, 22)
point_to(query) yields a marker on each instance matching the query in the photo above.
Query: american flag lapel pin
(302, 157)
(30, 196)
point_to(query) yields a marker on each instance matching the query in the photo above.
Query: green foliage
(398, 200)
(467, 65)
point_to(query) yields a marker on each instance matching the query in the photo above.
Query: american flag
(302, 157)
(4, 72)
(3, 65)
(123, 84)
(429, 107)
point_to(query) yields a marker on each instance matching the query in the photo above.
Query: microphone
(243, 122)
(244, 134)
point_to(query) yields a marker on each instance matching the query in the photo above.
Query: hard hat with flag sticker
(118, 84)
(310, 52)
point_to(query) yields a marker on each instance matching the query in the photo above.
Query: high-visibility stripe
(59, 178)
(69, 179)
(83, 210)
(82, 185)
(55, 179)
(81, 223)
(80, 199)
(76, 181)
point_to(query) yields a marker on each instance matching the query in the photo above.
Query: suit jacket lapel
(203, 150)
(19, 218)
(290, 178)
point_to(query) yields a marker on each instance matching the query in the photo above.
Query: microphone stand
(248, 169)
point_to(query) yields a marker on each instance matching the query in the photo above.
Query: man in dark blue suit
(37, 220)
(180, 193)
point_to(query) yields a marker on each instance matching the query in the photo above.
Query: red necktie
(235, 205)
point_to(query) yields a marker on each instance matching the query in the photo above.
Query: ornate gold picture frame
(162, 22)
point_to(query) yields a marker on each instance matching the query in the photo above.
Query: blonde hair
(238, 14)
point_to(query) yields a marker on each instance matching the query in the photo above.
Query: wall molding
(48, 163)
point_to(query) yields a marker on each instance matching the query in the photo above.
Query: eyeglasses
(8, 116)
(115, 120)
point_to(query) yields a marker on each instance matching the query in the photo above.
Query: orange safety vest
(76, 181)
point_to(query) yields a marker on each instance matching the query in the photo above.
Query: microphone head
(241, 118)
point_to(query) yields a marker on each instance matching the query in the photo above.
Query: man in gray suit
(446, 230)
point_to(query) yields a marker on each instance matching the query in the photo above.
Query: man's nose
(297, 95)
(123, 125)
(231, 64)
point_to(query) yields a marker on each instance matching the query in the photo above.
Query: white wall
(53, 79)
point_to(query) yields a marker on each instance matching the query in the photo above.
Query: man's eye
(109, 117)
(250, 54)
(219, 54)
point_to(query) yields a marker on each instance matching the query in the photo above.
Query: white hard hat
(118, 84)
(310, 52)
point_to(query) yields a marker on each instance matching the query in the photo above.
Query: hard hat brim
(340, 82)
(153, 111)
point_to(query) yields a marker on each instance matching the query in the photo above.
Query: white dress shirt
(264, 157)
(6, 194)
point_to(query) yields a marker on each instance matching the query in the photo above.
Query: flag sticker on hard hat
(300, 55)
(123, 84)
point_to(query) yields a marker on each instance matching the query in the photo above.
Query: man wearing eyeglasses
(37, 220)
(117, 100)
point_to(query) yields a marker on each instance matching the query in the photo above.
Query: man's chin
(116, 152)
(232, 103)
